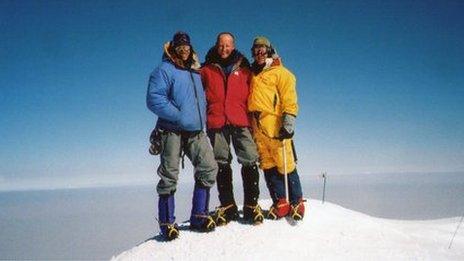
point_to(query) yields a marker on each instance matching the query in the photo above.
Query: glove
(155, 142)
(288, 127)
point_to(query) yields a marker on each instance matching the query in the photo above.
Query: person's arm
(288, 97)
(157, 96)
(287, 93)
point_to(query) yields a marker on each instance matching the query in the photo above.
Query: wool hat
(261, 40)
(180, 38)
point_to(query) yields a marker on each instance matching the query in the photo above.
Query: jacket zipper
(196, 98)
(225, 79)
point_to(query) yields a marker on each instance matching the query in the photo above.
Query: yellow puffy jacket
(272, 93)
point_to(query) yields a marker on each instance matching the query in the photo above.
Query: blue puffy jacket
(177, 97)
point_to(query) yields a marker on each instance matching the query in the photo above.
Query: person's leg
(168, 171)
(244, 146)
(294, 185)
(166, 218)
(296, 196)
(200, 220)
(278, 156)
(284, 164)
(199, 151)
(281, 206)
(227, 211)
(266, 160)
(267, 148)
(247, 155)
(252, 212)
(267, 177)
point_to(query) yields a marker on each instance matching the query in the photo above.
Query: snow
(328, 232)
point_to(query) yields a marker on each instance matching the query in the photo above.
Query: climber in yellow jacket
(273, 106)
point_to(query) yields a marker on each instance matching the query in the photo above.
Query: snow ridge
(328, 232)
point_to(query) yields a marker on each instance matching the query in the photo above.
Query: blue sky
(380, 83)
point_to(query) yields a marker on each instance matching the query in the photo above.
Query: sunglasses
(184, 48)
(259, 48)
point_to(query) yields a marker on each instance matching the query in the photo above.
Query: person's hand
(288, 127)
(155, 142)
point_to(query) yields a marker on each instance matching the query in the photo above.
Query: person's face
(225, 46)
(260, 53)
(183, 52)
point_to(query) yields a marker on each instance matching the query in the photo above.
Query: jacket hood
(168, 55)
(236, 58)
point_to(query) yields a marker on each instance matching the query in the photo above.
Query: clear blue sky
(380, 83)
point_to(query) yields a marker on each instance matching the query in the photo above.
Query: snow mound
(328, 232)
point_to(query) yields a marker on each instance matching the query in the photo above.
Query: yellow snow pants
(271, 153)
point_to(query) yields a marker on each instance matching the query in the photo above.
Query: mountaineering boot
(252, 212)
(280, 206)
(228, 209)
(166, 218)
(297, 210)
(224, 214)
(267, 177)
(200, 220)
(278, 210)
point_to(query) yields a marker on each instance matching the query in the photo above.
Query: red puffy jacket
(227, 96)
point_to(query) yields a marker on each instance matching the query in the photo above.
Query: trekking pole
(285, 170)
(455, 232)
(324, 177)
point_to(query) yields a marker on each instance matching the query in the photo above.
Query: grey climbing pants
(197, 148)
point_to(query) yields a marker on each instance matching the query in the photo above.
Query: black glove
(284, 134)
(288, 127)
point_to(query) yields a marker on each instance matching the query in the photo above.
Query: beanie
(180, 38)
(261, 40)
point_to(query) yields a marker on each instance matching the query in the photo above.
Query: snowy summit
(328, 232)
